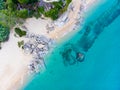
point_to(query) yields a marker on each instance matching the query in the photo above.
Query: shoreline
(18, 69)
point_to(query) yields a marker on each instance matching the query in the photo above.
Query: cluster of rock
(38, 46)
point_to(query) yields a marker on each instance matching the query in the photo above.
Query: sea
(99, 41)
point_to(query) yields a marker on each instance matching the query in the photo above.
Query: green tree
(10, 5)
(20, 43)
(22, 13)
(23, 1)
(7, 17)
(33, 1)
(41, 10)
(4, 33)
(66, 6)
(58, 5)
(68, 2)
(2, 4)
(15, 1)
(27, 1)
(52, 13)
(20, 32)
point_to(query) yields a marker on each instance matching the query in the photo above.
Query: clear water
(99, 71)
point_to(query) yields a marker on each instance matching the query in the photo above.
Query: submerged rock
(80, 57)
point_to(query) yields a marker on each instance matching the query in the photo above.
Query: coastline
(16, 72)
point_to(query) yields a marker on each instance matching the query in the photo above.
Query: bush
(23, 1)
(52, 13)
(4, 33)
(66, 6)
(41, 10)
(68, 2)
(22, 13)
(27, 1)
(58, 5)
(57, 10)
(20, 32)
(2, 4)
(20, 43)
(10, 5)
(32, 1)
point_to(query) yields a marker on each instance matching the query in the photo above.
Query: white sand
(13, 62)
(37, 26)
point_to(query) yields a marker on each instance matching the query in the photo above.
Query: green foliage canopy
(22, 13)
(20, 32)
(4, 33)
(66, 6)
(20, 43)
(2, 4)
(41, 10)
(23, 1)
(26, 1)
(52, 13)
(58, 5)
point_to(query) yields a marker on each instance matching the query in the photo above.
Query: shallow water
(100, 69)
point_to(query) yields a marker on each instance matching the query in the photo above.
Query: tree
(2, 4)
(20, 43)
(58, 5)
(15, 1)
(66, 6)
(20, 32)
(41, 10)
(27, 1)
(10, 5)
(33, 1)
(52, 13)
(4, 33)
(7, 18)
(23, 1)
(22, 13)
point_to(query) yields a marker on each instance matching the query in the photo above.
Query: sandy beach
(14, 62)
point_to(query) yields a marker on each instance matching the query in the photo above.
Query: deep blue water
(99, 71)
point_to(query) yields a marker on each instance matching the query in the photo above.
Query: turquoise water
(100, 69)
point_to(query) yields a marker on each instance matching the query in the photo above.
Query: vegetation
(12, 11)
(23, 1)
(2, 4)
(20, 43)
(66, 6)
(20, 32)
(53, 14)
(0, 45)
(58, 5)
(22, 13)
(4, 33)
(41, 10)
(58, 9)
